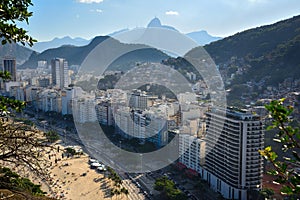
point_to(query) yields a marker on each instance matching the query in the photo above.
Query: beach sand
(72, 179)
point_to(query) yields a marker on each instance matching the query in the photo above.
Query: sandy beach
(72, 179)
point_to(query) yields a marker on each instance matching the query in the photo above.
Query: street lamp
(141, 156)
(65, 136)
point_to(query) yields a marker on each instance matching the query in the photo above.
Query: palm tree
(125, 191)
(112, 193)
(117, 192)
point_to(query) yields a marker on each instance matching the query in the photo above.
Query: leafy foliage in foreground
(284, 169)
(21, 144)
(11, 12)
(11, 180)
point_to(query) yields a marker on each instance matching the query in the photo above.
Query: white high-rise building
(141, 125)
(84, 109)
(192, 151)
(233, 164)
(67, 95)
(138, 100)
(60, 72)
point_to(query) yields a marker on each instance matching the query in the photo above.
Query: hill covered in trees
(271, 50)
(76, 55)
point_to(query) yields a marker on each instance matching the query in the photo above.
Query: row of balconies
(255, 140)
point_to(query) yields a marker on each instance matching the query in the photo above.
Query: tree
(168, 189)
(12, 12)
(267, 193)
(125, 191)
(289, 137)
(9, 179)
(21, 145)
(52, 136)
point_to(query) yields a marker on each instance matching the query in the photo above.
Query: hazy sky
(88, 18)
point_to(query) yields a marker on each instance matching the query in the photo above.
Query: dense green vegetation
(271, 50)
(285, 163)
(11, 180)
(117, 188)
(168, 189)
(52, 136)
(256, 42)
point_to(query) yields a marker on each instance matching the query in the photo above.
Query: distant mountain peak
(202, 37)
(155, 22)
(57, 42)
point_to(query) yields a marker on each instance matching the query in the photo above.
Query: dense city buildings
(220, 145)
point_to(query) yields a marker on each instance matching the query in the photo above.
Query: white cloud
(171, 12)
(89, 1)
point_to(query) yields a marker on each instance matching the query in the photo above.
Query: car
(91, 160)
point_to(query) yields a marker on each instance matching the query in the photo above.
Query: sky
(90, 18)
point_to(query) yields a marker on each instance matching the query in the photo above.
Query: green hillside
(16, 51)
(271, 50)
(75, 55)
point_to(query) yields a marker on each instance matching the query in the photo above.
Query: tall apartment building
(104, 113)
(49, 100)
(60, 73)
(233, 165)
(137, 124)
(9, 64)
(138, 100)
(67, 94)
(83, 109)
(192, 151)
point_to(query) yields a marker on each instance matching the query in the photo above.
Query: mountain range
(14, 50)
(267, 53)
(201, 37)
(57, 42)
(76, 55)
